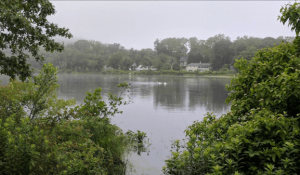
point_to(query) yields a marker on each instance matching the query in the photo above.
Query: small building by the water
(141, 67)
(107, 68)
(133, 66)
(198, 67)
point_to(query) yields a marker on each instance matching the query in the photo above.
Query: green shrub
(165, 66)
(224, 68)
(260, 134)
(176, 66)
(40, 134)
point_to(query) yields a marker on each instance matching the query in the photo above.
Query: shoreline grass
(209, 74)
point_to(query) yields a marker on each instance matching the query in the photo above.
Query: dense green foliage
(222, 54)
(174, 47)
(92, 56)
(260, 134)
(196, 53)
(40, 134)
(24, 27)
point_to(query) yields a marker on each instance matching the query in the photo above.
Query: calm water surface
(161, 110)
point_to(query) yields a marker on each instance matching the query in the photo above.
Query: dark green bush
(260, 134)
(40, 134)
(176, 66)
(165, 66)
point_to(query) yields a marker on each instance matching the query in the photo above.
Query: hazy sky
(137, 24)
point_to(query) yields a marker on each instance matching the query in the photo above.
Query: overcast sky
(137, 24)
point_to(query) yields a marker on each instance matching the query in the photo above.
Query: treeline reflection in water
(177, 94)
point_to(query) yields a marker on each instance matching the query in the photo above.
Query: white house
(198, 66)
(141, 67)
(133, 66)
(106, 67)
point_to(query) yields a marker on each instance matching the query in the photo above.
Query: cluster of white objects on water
(164, 83)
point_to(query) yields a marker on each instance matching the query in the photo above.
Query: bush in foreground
(260, 134)
(40, 134)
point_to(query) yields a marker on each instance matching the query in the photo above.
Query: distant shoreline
(213, 75)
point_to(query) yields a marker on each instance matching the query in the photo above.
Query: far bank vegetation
(219, 51)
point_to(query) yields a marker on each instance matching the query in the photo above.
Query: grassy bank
(218, 74)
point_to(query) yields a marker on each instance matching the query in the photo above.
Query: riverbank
(212, 74)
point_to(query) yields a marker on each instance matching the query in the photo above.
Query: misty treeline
(93, 56)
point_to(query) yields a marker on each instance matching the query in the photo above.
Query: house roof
(184, 58)
(204, 64)
(199, 64)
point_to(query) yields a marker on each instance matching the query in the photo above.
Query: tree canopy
(26, 33)
(24, 28)
(39, 133)
(175, 47)
(222, 54)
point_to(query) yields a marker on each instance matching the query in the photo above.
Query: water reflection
(209, 93)
(192, 93)
(173, 95)
(179, 94)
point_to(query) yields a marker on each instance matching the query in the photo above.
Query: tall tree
(146, 61)
(210, 42)
(206, 47)
(147, 52)
(248, 54)
(24, 27)
(175, 47)
(195, 54)
(82, 45)
(222, 54)
(115, 60)
(126, 63)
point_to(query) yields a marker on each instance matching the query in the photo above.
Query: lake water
(161, 110)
